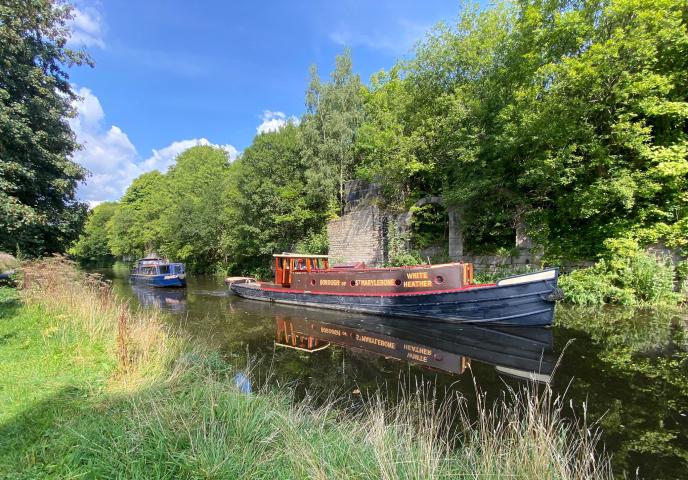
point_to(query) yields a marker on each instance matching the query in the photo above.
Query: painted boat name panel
(384, 280)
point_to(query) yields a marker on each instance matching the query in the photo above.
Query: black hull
(524, 304)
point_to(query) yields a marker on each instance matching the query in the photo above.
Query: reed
(171, 409)
(7, 262)
(84, 307)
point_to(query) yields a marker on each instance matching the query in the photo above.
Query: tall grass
(172, 410)
(7, 262)
(85, 307)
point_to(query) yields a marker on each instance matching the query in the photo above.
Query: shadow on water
(631, 368)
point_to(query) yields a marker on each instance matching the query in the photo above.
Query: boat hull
(161, 281)
(521, 304)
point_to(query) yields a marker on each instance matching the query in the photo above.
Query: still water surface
(630, 367)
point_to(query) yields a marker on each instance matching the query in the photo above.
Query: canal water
(631, 368)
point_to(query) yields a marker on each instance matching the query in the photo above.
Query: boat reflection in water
(172, 300)
(518, 352)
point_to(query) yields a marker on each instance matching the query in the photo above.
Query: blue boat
(158, 272)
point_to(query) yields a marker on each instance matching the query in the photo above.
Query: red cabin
(288, 263)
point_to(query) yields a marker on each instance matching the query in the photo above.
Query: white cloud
(273, 121)
(164, 158)
(107, 152)
(111, 157)
(87, 28)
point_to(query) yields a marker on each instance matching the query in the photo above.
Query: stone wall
(493, 263)
(358, 236)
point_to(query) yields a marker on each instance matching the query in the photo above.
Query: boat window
(164, 269)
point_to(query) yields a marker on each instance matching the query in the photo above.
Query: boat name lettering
(378, 282)
(417, 357)
(417, 349)
(331, 331)
(417, 275)
(376, 341)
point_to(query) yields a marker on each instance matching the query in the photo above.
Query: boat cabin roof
(156, 261)
(298, 255)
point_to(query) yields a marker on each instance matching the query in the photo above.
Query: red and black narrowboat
(444, 292)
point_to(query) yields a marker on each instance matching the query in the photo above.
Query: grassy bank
(91, 389)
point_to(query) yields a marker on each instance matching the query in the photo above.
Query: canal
(629, 367)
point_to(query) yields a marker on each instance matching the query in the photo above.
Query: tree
(269, 206)
(38, 209)
(93, 244)
(179, 214)
(601, 130)
(135, 226)
(567, 117)
(386, 144)
(192, 224)
(430, 124)
(334, 111)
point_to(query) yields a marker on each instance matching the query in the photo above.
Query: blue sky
(172, 74)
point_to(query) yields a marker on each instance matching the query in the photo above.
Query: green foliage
(405, 259)
(315, 243)
(192, 223)
(592, 286)
(568, 116)
(270, 208)
(429, 226)
(135, 226)
(180, 214)
(38, 179)
(398, 252)
(682, 274)
(629, 276)
(93, 244)
(385, 145)
(334, 112)
(215, 215)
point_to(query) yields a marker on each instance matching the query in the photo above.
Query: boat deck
(272, 287)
